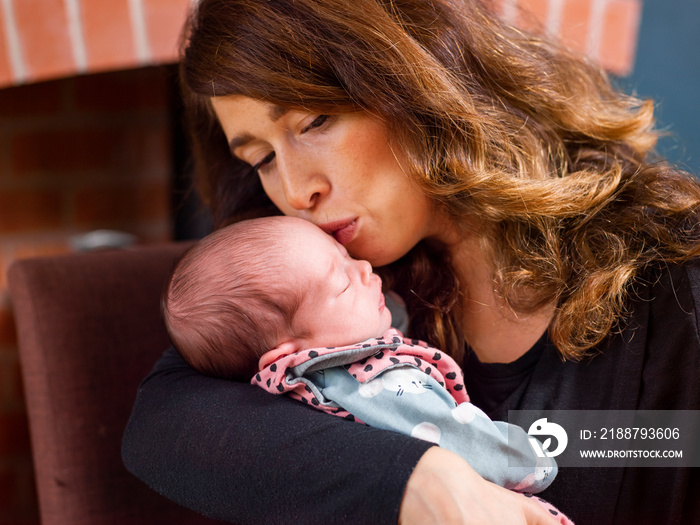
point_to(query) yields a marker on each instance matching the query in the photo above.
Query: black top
(235, 452)
(491, 385)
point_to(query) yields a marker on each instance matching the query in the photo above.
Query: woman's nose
(303, 183)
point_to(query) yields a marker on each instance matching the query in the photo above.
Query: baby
(279, 301)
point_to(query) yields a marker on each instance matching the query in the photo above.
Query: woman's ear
(284, 349)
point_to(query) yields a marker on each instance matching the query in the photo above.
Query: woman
(510, 196)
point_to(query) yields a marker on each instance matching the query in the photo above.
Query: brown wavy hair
(496, 123)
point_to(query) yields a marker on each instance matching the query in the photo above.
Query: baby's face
(343, 300)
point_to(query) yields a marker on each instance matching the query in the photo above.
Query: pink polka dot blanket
(364, 361)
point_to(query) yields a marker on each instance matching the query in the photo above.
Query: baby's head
(228, 300)
(260, 289)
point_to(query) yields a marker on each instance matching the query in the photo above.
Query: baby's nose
(365, 270)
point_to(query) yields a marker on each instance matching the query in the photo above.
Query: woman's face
(337, 171)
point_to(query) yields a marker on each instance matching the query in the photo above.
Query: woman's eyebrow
(275, 113)
(238, 141)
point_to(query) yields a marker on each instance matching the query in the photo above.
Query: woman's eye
(317, 123)
(266, 160)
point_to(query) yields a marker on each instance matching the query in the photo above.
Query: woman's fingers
(445, 490)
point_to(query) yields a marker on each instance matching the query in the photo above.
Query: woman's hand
(445, 490)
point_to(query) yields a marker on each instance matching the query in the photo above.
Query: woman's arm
(234, 452)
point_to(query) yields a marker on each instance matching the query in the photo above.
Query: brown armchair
(89, 330)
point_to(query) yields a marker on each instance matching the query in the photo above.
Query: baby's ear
(282, 350)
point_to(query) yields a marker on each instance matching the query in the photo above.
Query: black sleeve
(235, 452)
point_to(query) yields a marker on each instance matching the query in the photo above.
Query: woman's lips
(381, 302)
(343, 231)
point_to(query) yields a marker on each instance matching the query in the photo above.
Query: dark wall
(667, 69)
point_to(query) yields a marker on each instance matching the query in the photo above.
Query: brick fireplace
(89, 139)
(77, 154)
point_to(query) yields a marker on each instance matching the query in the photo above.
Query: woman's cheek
(276, 195)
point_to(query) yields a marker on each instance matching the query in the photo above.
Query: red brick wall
(50, 38)
(603, 30)
(45, 39)
(76, 155)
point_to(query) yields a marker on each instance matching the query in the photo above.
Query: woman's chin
(375, 255)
